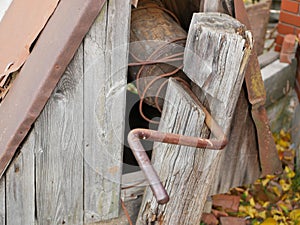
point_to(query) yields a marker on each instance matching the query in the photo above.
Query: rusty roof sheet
(52, 53)
(20, 26)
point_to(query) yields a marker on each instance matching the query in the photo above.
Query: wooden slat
(105, 63)
(2, 200)
(58, 146)
(20, 186)
(218, 51)
(133, 185)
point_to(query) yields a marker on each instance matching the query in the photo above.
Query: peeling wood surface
(181, 169)
(105, 90)
(215, 49)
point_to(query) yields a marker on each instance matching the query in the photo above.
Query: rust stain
(269, 160)
(19, 27)
(52, 53)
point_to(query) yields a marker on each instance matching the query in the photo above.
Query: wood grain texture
(58, 151)
(215, 48)
(20, 185)
(181, 169)
(240, 163)
(2, 201)
(222, 6)
(105, 63)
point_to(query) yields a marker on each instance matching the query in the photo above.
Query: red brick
(285, 29)
(286, 58)
(209, 219)
(227, 202)
(289, 18)
(290, 6)
(232, 221)
(288, 48)
(279, 39)
(289, 43)
(277, 48)
(297, 32)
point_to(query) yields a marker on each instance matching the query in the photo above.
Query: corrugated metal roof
(52, 53)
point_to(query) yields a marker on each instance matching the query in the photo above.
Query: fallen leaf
(269, 221)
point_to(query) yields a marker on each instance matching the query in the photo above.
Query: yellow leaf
(283, 207)
(283, 143)
(290, 173)
(252, 202)
(276, 212)
(295, 214)
(276, 190)
(269, 221)
(262, 214)
(270, 177)
(285, 186)
(266, 204)
(265, 181)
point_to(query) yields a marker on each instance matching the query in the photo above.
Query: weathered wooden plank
(217, 47)
(2, 201)
(105, 63)
(259, 14)
(222, 6)
(180, 168)
(133, 185)
(58, 151)
(20, 185)
(240, 163)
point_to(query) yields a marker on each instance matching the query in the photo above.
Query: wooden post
(105, 63)
(215, 58)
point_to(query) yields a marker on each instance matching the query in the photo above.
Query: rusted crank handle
(144, 162)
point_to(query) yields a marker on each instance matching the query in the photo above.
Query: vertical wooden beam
(180, 168)
(58, 150)
(20, 185)
(105, 63)
(216, 53)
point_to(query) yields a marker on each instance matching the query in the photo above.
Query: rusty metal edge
(51, 55)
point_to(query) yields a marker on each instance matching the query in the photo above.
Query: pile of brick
(287, 40)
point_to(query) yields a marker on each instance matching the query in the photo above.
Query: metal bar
(144, 162)
(269, 159)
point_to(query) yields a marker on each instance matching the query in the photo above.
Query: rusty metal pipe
(144, 162)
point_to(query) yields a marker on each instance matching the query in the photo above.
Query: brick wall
(289, 20)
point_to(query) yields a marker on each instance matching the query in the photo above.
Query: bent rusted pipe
(144, 162)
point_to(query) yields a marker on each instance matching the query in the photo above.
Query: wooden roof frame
(39, 75)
